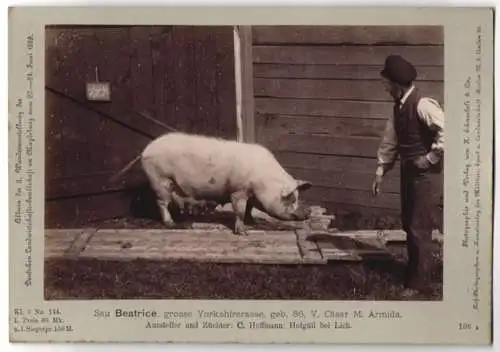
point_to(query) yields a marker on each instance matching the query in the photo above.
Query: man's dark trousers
(416, 205)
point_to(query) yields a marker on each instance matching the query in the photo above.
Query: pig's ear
(303, 185)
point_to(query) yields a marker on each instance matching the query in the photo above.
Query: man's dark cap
(399, 70)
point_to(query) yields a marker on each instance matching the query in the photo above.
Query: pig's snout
(302, 213)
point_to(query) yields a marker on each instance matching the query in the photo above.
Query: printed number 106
(466, 326)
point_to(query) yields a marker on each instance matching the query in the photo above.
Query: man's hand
(422, 163)
(377, 182)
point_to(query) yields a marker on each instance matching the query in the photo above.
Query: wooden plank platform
(222, 246)
(311, 242)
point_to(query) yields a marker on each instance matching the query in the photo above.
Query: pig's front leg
(239, 201)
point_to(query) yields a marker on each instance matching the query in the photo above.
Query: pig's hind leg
(163, 188)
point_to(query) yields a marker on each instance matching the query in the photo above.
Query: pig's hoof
(240, 230)
(185, 225)
(169, 224)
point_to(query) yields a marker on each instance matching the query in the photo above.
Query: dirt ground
(97, 279)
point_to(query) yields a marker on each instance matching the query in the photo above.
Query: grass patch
(148, 279)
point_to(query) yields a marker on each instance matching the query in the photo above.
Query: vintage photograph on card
(204, 181)
(315, 182)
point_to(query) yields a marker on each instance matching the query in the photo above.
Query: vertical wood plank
(142, 70)
(210, 84)
(178, 76)
(245, 83)
(204, 61)
(225, 83)
(191, 94)
(168, 56)
(238, 83)
(158, 72)
(184, 78)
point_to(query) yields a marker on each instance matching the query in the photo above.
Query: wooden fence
(320, 106)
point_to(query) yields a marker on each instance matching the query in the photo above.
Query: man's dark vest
(415, 138)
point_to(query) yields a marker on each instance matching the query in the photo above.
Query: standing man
(415, 133)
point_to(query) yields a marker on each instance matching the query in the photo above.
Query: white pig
(194, 168)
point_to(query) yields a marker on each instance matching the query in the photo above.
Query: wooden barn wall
(320, 106)
(181, 76)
